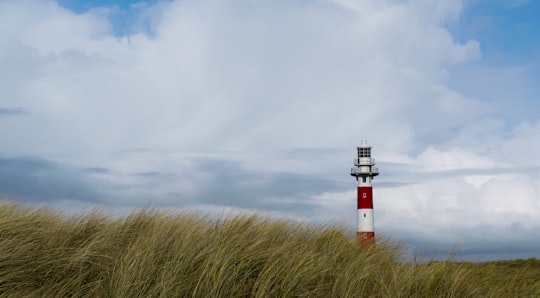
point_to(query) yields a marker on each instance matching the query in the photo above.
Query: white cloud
(283, 78)
(455, 158)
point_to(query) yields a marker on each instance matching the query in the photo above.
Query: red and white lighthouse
(364, 171)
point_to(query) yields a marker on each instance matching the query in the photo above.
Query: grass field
(153, 254)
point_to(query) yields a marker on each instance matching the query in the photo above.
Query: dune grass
(156, 254)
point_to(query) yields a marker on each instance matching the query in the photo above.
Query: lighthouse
(364, 171)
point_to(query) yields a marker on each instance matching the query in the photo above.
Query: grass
(154, 254)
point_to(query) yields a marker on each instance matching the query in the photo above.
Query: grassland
(153, 254)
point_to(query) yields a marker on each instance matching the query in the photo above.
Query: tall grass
(153, 254)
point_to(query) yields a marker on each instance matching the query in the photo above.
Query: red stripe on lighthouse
(365, 197)
(365, 238)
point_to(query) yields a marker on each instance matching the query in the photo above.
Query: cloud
(259, 105)
(33, 180)
(312, 71)
(457, 197)
(227, 183)
(11, 112)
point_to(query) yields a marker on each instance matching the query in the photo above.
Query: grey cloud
(385, 184)
(297, 153)
(151, 174)
(217, 181)
(485, 171)
(97, 170)
(409, 173)
(474, 243)
(477, 251)
(37, 180)
(12, 112)
(227, 183)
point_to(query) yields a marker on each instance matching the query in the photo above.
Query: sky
(222, 106)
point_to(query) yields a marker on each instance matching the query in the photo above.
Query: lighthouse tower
(364, 171)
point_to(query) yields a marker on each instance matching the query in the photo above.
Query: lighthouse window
(364, 215)
(364, 195)
(364, 152)
(364, 179)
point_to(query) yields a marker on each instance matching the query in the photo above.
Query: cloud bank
(258, 105)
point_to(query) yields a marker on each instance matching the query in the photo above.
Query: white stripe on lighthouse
(365, 220)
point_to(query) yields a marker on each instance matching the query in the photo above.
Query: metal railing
(364, 161)
(373, 171)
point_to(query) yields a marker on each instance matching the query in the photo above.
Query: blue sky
(84, 6)
(507, 30)
(233, 106)
(124, 16)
